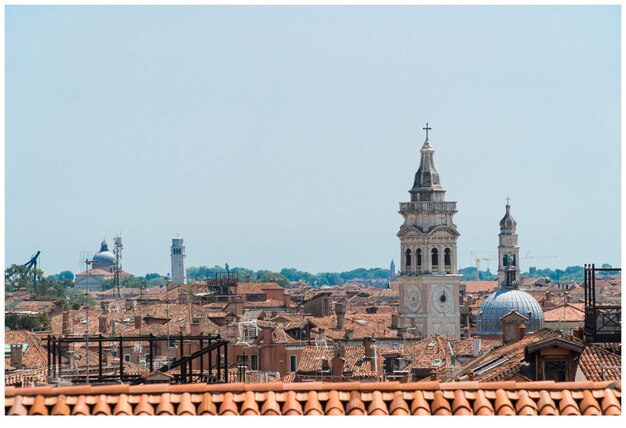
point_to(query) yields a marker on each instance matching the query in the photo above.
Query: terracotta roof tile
(18, 408)
(398, 406)
(39, 406)
(80, 407)
(546, 405)
(521, 398)
(567, 404)
(228, 406)
(440, 406)
(610, 403)
(589, 405)
(334, 405)
(144, 408)
(292, 406)
(60, 407)
(313, 406)
(482, 406)
(355, 406)
(102, 407)
(503, 404)
(185, 406)
(249, 406)
(165, 406)
(525, 405)
(419, 406)
(377, 404)
(460, 405)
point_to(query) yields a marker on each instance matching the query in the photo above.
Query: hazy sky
(271, 137)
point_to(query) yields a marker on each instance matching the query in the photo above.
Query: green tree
(66, 275)
(275, 277)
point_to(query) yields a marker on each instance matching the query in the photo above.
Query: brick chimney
(65, 329)
(137, 322)
(337, 368)
(16, 356)
(470, 374)
(102, 324)
(369, 349)
(340, 311)
(325, 364)
(195, 325)
(266, 334)
(522, 331)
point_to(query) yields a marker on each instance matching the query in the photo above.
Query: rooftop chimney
(470, 374)
(369, 349)
(266, 333)
(325, 364)
(16, 356)
(66, 324)
(137, 322)
(477, 342)
(338, 364)
(340, 311)
(102, 324)
(195, 325)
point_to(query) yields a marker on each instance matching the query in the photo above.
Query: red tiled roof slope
(317, 398)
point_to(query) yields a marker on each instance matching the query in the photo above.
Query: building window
(292, 363)
(171, 343)
(435, 259)
(254, 362)
(555, 370)
(419, 259)
(408, 258)
(446, 259)
(127, 358)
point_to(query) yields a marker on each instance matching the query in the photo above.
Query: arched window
(512, 259)
(505, 260)
(407, 258)
(446, 257)
(419, 258)
(435, 257)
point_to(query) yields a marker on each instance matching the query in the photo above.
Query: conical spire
(426, 186)
(508, 223)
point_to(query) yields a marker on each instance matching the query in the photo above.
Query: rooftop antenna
(117, 250)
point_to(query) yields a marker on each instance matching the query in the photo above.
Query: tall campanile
(429, 279)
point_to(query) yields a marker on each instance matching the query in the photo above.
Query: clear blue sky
(271, 137)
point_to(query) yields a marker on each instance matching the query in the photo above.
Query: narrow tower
(179, 272)
(429, 280)
(508, 250)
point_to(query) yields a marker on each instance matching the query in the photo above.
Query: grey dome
(502, 302)
(103, 258)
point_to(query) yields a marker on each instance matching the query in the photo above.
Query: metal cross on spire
(427, 129)
(508, 200)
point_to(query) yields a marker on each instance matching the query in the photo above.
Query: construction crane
(32, 263)
(477, 260)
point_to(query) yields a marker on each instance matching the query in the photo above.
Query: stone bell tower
(508, 250)
(429, 279)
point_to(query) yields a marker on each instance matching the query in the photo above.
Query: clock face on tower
(412, 298)
(442, 299)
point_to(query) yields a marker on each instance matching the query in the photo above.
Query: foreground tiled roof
(317, 398)
(598, 364)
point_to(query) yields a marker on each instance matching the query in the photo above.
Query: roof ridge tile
(439, 405)
(228, 406)
(482, 405)
(525, 405)
(39, 406)
(249, 407)
(355, 406)
(377, 404)
(398, 405)
(122, 407)
(589, 405)
(61, 407)
(80, 407)
(503, 403)
(610, 403)
(18, 408)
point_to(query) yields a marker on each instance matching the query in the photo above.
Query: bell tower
(429, 279)
(508, 250)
